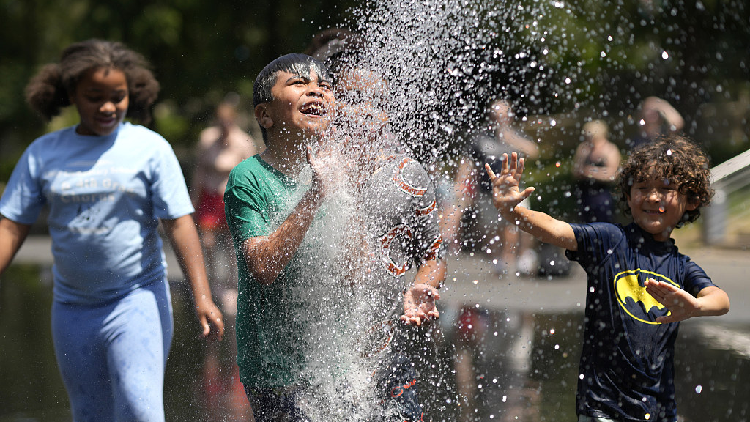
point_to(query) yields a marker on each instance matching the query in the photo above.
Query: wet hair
(295, 63)
(330, 41)
(51, 88)
(674, 158)
(338, 49)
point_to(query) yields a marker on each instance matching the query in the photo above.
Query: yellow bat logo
(627, 285)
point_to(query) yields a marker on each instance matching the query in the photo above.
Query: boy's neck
(288, 159)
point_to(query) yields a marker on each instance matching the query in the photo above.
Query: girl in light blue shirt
(107, 184)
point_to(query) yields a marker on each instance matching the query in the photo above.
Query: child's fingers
(527, 192)
(505, 165)
(491, 173)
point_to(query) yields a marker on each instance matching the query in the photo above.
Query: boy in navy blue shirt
(639, 286)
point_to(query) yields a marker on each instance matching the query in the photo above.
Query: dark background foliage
(573, 60)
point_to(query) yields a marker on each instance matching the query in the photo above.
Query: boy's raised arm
(267, 256)
(506, 196)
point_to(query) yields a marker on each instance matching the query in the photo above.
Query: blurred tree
(199, 50)
(610, 55)
(558, 57)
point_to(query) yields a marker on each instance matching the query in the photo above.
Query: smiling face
(657, 206)
(101, 97)
(302, 106)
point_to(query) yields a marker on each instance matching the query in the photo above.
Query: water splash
(424, 73)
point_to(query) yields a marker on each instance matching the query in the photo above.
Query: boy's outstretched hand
(506, 193)
(419, 304)
(711, 301)
(681, 304)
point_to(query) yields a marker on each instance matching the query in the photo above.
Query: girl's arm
(12, 236)
(184, 239)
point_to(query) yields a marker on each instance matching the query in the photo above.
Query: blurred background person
(595, 167)
(503, 241)
(221, 147)
(657, 118)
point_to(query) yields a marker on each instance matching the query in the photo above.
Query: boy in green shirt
(269, 211)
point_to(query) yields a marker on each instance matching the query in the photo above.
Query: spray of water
(423, 70)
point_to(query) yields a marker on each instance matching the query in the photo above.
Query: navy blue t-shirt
(627, 363)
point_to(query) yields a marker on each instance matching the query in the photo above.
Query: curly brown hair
(50, 89)
(674, 158)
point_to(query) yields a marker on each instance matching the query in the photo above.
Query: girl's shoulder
(52, 141)
(130, 129)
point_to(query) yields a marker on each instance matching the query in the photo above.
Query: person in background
(507, 246)
(220, 148)
(657, 118)
(108, 184)
(595, 167)
(639, 287)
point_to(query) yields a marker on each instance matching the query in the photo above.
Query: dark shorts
(397, 385)
(272, 405)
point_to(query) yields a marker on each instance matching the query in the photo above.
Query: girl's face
(657, 206)
(102, 100)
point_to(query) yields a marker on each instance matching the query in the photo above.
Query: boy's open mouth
(313, 109)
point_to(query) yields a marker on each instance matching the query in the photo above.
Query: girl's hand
(506, 193)
(210, 318)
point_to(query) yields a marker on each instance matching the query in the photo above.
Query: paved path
(471, 280)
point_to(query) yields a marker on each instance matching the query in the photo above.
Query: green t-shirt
(269, 329)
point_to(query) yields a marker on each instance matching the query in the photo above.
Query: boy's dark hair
(295, 63)
(674, 158)
(50, 90)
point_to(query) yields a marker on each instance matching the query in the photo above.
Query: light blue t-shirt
(105, 194)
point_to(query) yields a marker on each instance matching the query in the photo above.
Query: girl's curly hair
(50, 90)
(674, 158)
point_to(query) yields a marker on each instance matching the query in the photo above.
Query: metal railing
(726, 179)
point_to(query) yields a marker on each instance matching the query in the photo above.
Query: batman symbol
(633, 298)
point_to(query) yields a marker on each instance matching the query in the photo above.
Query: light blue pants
(112, 357)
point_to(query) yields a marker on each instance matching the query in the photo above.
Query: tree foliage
(561, 56)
